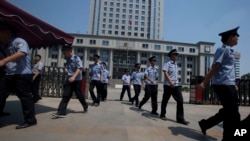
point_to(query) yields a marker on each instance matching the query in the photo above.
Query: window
(157, 47)
(179, 72)
(189, 59)
(105, 43)
(192, 50)
(92, 42)
(144, 62)
(80, 50)
(189, 65)
(144, 55)
(79, 41)
(54, 56)
(180, 49)
(189, 72)
(145, 46)
(53, 64)
(110, 26)
(169, 48)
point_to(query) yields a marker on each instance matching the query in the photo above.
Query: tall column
(111, 62)
(138, 57)
(46, 57)
(85, 58)
(59, 57)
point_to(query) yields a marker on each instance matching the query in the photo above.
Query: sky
(188, 21)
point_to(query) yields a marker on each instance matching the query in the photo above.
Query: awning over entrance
(36, 32)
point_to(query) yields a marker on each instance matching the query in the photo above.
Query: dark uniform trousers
(92, 85)
(104, 90)
(125, 88)
(68, 89)
(150, 91)
(137, 89)
(35, 87)
(22, 87)
(229, 114)
(177, 95)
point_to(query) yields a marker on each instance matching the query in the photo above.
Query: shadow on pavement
(16, 116)
(190, 133)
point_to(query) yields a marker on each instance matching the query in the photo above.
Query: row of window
(144, 46)
(123, 27)
(135, 34)
(118, 4)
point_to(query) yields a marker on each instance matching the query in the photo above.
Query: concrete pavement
(113, 120)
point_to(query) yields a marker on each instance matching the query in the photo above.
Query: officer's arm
(167, 77)
(148, 78)
(76, 73)
(14, 57)
(211, 72)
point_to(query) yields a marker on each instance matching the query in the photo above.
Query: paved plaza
(113, 120)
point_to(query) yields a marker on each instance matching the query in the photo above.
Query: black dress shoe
(202, 126)
(183, 122)
(25, 125)
(2, 114)
(86, 108)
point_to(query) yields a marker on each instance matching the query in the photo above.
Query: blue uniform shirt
(225, 75)
(22, 65)
(95, 71)
(38, 67)
(106, 76)
(126, 78)
(171, 68)
(137, 77)
(73, 63)
(152, 73)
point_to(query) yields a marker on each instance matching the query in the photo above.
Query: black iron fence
(51, 84)
(208, 96)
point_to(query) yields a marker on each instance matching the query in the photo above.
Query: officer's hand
(202, 85)
(71, 79)
(152, 82)
(172, 84)
(2, 63)
(236, 88)
(33, 78)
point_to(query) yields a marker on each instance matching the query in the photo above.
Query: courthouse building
(125, 32)
(120, 53)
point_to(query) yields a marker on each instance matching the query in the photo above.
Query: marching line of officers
(16, 75)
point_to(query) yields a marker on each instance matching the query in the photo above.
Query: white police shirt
(171, 68)
(152, 73)
(37, 67)
(225, 75)
(95, 71)
(22, 65)
(137, 77)
(73, 63)
(126, 78)
(106, 76)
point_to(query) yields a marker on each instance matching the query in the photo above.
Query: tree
(245, 76)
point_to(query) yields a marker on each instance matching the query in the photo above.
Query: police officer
(96, 71)
(138, 81)
(222, 73)
(172, 87)
(18, 72)
(106, 80)
(36, 70)
(73, 82)
(126, 78)
(151, 88)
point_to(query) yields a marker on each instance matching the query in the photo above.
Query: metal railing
(208, 96)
